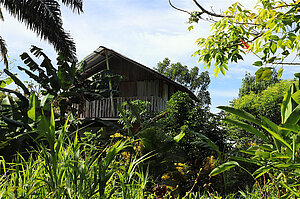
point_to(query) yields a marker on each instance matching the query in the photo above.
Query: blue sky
(146, 31)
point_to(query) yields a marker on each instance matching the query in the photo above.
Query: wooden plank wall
(102, 108)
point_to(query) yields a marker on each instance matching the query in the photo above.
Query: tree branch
(287, 63)
(210, 13)
(242, 42)
(178, 8)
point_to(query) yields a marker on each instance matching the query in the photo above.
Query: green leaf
(29, 62)
(266, 75)
(5, 101)
(269, 124)
(262, 154)
(207, 142)
(248, 128)
(43, 125)
(290, 127)
(216, 71)
(31, 75)
(241, 113)
(135, 112)
(258, 74)
(286, 53)
(258, 63)
(32, 107)
(127, 123)
(223, 167)
(279, 73)
(17, 81)
(190, 28)
(280, 156)
(274, 37)
(297, 75)
(296, 97)
(262, 170)
(267, 147)
(290, 189)
(271, 60)
(286, 106)
(294, 116)
(6, 82)
(178, 137)
(279, 138)
(64, 76)
(52, 123)
(252, 161)
(15, 122)
(19, 95)
(273, 48)
(222, 70)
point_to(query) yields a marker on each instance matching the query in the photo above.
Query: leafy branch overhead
(43, 18)
(270, 31)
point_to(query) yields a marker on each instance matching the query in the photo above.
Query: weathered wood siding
(137, 78)
(103, 108)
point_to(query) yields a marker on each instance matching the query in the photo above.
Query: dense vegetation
(258, 98)
(172, 153)
(182, 152)
(193, 79)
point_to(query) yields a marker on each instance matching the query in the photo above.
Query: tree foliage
(193, 79)
(278, 155)
(250, 85)
(265, 103)
(270, 31)
(183, 137)
(200, 132)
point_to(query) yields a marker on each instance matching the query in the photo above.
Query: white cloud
(146, 35)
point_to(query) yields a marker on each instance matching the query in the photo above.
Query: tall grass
(64, 167)
(67, 167)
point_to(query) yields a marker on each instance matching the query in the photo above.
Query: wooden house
(140, 82)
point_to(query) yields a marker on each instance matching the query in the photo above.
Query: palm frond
(75, 5)
(44, 18)
(1, 15)
(3, 50)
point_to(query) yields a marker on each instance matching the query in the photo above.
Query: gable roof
(97, 59)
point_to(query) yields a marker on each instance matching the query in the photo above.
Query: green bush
(277, 157)
(266, 103)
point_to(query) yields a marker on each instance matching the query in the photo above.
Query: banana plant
(63, 166)
(64, 82)
(62, 86)
(18, 114)
(278, 157)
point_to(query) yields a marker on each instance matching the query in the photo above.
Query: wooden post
(109, 83)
